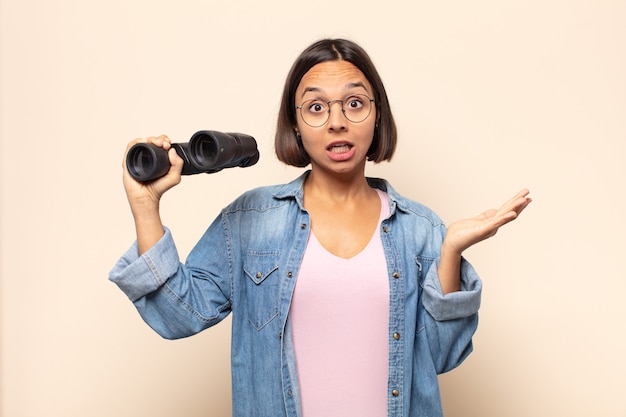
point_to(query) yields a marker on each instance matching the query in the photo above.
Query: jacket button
(289, 274)
(396, 336)
(303, 226)
(259, 275)
(396, 275)
(395, 393)
(385, 229)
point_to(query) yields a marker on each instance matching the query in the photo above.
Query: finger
(516, 198)
(517, 203)
(162, 141)
(508, 214)
(523, 204)
(523, 193)
(175, 160)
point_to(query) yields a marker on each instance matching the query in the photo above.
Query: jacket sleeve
(451, 319)
(178, 300)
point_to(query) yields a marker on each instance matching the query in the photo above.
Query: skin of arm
(464, 233)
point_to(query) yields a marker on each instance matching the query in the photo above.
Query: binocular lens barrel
(147, 162)
(206, 152)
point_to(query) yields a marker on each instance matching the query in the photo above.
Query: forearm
(148, 225)
(449, 270)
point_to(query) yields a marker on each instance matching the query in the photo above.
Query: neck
(336, 187)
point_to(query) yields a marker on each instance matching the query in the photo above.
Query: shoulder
(405, 205)
(268, 197)
(258, 199)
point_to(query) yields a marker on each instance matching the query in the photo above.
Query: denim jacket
(246, 264)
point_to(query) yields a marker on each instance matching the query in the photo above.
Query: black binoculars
(207, 151)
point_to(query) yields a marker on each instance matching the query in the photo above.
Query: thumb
(176, 161)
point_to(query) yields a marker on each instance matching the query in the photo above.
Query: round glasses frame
(348, 113)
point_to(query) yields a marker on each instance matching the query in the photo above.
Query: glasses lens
(357, 108)
(314, 112)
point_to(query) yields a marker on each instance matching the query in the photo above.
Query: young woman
(346, 298)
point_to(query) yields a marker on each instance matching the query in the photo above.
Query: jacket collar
(295, 189)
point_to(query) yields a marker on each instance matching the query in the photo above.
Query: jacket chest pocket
(262, 286)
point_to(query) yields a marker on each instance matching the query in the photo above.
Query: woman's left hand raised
(464, 233)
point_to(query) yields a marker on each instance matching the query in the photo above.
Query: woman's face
(338, 145)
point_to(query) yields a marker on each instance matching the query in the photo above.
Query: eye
(316, 106)
(354, 103)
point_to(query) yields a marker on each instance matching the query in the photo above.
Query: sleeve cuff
(457, 304)
(138, 276)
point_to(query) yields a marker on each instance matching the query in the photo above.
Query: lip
(340, 150)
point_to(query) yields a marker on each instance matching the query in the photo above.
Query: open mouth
(339, 148)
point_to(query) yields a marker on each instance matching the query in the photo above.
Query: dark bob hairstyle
(288, 146)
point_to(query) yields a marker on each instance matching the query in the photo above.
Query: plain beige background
(489, 96)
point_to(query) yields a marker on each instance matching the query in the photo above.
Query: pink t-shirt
(340, 321)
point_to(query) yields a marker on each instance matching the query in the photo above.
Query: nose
(336, 119)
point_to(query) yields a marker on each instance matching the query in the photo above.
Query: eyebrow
(349, 87)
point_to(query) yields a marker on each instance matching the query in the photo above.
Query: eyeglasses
(356, 108)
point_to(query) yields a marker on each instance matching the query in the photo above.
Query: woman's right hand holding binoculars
(144, 197)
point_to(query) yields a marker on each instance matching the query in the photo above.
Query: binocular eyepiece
(206, 152)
